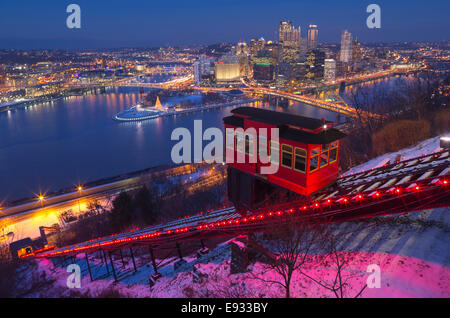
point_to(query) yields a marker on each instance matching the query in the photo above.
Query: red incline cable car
(308, 154)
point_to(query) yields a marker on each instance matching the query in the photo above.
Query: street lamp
(79, 188)
(41, 199)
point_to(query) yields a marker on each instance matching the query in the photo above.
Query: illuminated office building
(202, 69)
(346, 47)
(288, 33)
(329, 70)
(315, 63)
(313, 36)
(256, 45)
(356, 51)
(263, 72)
(228, 69)
(302, 49)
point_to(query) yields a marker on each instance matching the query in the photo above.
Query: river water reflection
(63, 143)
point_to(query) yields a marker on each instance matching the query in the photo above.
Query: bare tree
(293, 243)
(339, 261)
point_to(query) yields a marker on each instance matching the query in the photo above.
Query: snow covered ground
(425, 147)
(411, 250)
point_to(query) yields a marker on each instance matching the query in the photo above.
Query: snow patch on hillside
(425, 147)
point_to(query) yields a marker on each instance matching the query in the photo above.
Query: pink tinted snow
(401, 276)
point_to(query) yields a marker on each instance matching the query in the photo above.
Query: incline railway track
(411, 185)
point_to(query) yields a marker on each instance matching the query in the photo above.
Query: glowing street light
(41, 199)
(79, 188)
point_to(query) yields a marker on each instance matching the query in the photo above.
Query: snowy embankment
(425, 147)
(411, 251)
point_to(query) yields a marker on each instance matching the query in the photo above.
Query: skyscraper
(356, 51)
(197, 76)
(256, 45)
(202, 68)
(289, 38)
(346, 47)
(315, 62)
(265, 62)
(242, 48)
(303, 49)
(329, 70)
(313, 35)
(290, 54)
(242, 52)
(288, 33)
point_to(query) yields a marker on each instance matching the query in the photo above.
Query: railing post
(89, 266)
(179, 251)
(121, 257)
(132, 257)
(106, 262)
(155, 268)
(112, 266)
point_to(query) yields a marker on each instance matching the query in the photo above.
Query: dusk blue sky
(28, 24)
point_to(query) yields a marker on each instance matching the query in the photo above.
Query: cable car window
(324, 156)
(333, 151)
(262, 146)
(300, 160)
(230, 138)
(315, 152)
(239, 141)
(275, 149)
(286, 156)
(314, 161)
(325, 147)
(249, 145)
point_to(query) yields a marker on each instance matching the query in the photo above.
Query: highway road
(24, 220)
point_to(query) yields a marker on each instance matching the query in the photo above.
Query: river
(71, 141)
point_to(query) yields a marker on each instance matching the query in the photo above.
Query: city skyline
(28, 25)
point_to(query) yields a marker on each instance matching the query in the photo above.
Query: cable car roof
(278, 118)
(291, 127)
